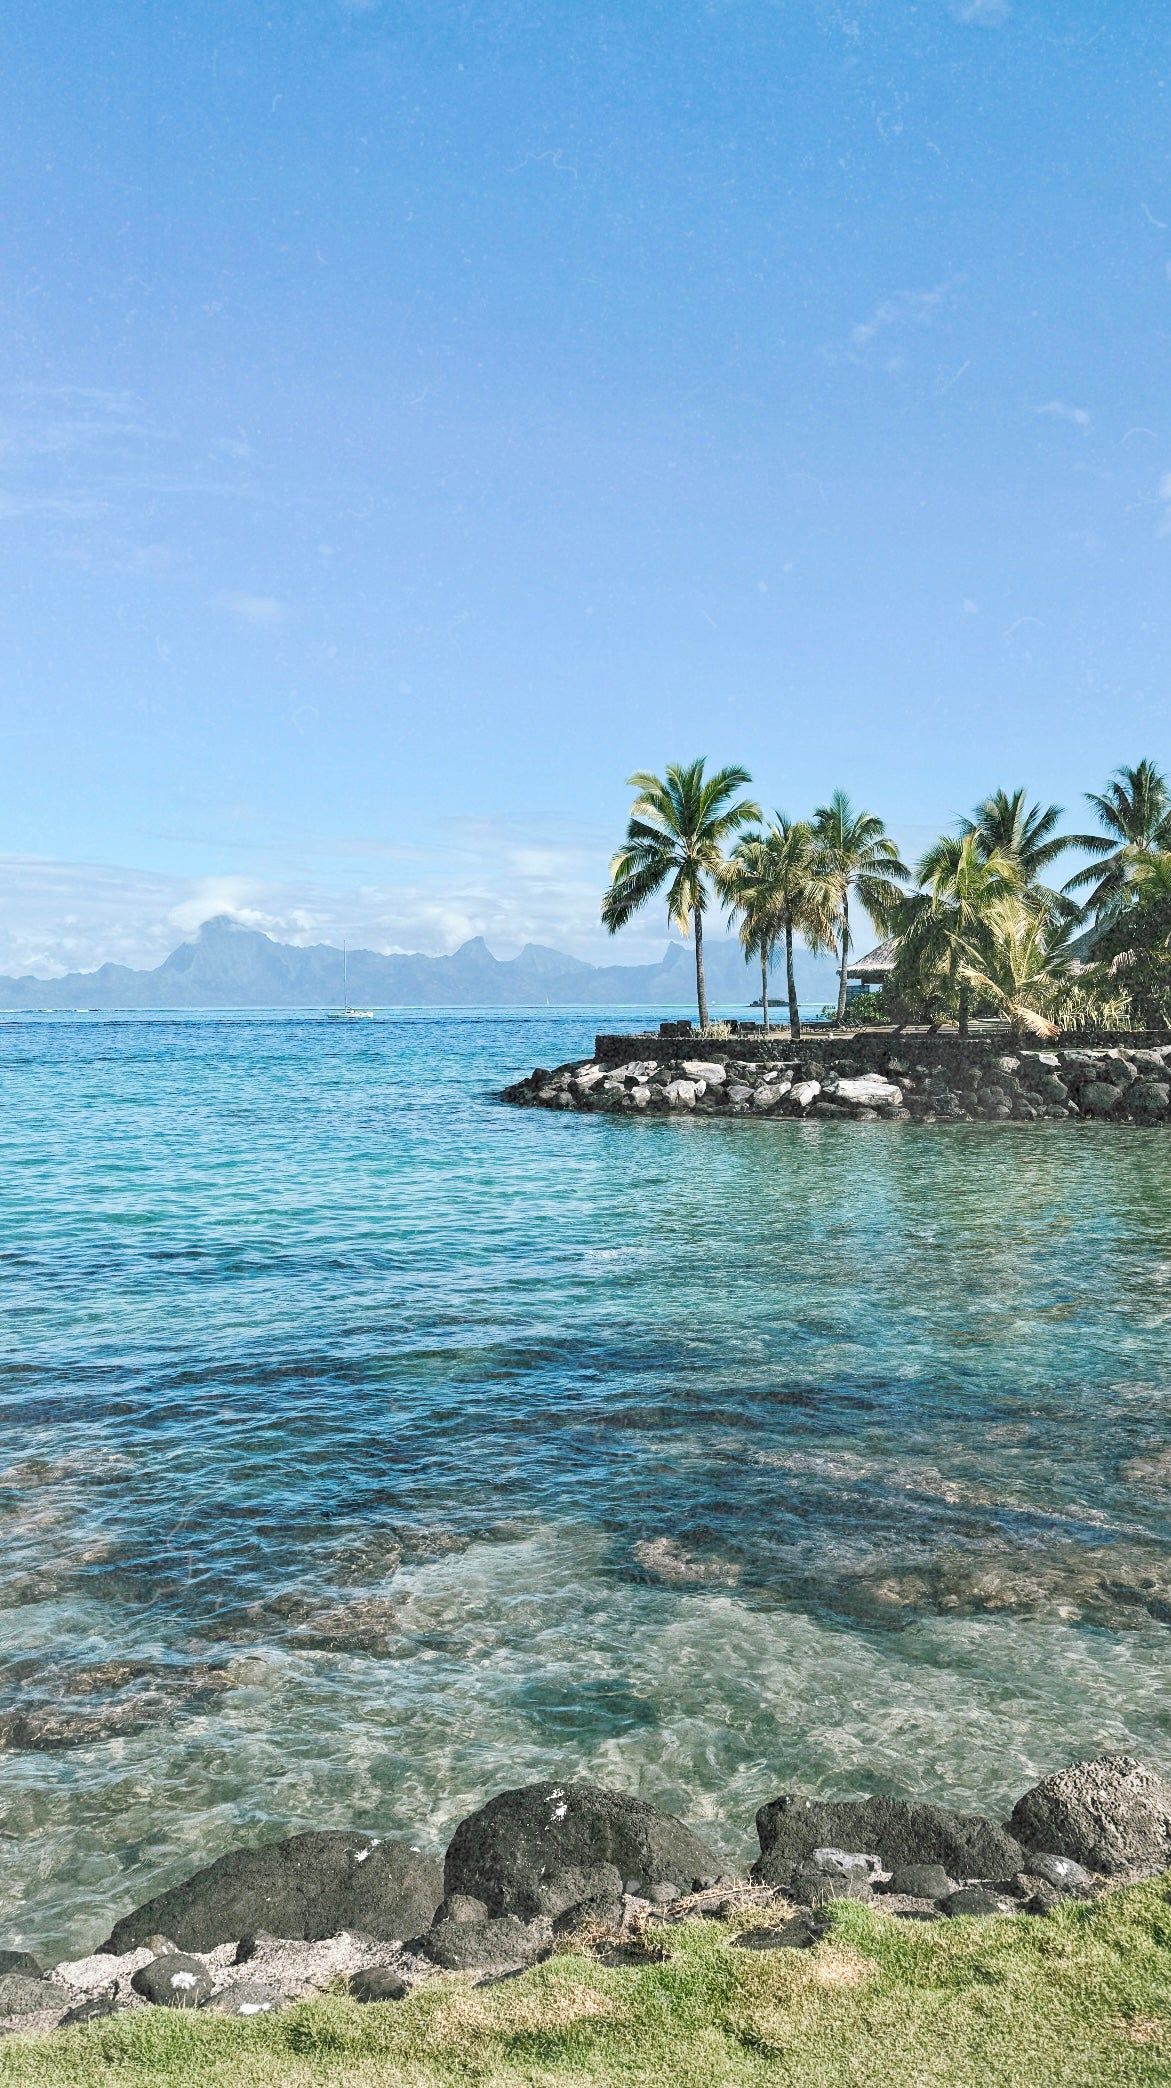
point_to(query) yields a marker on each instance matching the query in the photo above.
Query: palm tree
(856, 854)
(676, 834)
(950, 918)
(1020, 956)
(1005, 824)
(1135, 808)
(773, 881)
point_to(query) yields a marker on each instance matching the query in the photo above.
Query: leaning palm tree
(774, 882)
(678, 828)
(856, 854)
(1135, 809)
(939, 927)
(1006, 825)
(1017, 961)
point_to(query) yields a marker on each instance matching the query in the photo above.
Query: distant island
(229, 966)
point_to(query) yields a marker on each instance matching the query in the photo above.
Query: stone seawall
(920, 1079)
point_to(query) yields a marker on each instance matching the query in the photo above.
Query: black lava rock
(973, 1899)
(20, 1995)
(1113, 1815)
(897, 1829)
(174, 1982)
(521, 1839)
(93, 2010)
(1061, 1872)
(20, 1961)
(920, 1881)
(503, 1945)
(247, 1998)
(800, 1933)
(378, 1983)
(307, 1887)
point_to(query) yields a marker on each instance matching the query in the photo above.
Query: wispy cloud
(904, 308)
(252, 608)
(982, 14)
(1056, 409)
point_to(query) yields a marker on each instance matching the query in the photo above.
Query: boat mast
(345, 980)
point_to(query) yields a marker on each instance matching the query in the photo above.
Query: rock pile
(919, 1084)
(571, 1859)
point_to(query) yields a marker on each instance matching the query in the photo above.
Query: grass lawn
(1082, 1997)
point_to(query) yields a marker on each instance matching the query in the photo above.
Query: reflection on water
(369, 1446)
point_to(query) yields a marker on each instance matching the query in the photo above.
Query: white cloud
(1056, 409)
(253, 609)
(509, 885)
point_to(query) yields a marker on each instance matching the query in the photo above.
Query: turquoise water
(369, 1446)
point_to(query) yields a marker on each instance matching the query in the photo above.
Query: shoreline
(861, 1078)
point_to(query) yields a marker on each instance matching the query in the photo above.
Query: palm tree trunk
(700, 986)
(845, 954)
(764, 957)
(791, 983)
(965, 999)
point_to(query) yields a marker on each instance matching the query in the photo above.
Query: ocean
(369, 1446)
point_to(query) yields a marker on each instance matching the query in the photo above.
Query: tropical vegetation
(975, 928)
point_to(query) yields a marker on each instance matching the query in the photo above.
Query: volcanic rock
(308, 1887)
(898, 1830)
(1113, 1815)
(522, 1839)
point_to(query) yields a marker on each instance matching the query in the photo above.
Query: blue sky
(414, 416)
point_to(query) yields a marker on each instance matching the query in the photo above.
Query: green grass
(1083, 1997)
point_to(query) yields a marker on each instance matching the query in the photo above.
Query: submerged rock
(1111, 1815)
(20, 1961)
(899, 1830)
(505, 1853)
(308, 1887)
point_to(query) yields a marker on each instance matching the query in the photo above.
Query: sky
(416, 415)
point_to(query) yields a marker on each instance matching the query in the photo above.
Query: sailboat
(346, 1013)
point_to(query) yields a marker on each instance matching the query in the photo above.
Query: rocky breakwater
(924, 1082)
(571, 1865)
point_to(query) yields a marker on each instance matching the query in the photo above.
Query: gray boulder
(1098, 1097)
(576, 1887)
(1112, 1815)
(378, 1983)
(94, 2010)
(20, 1995)
(830, 1874)
(975, 1900)
(174, 1982)
(899, 1830)
(307, 1887)
(247, 1998)
(504, 1945)
(920, 1881)
(1061, 1872)
(20, 1961)
(521, 1840)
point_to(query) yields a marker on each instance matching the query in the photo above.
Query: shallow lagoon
(369, 1446)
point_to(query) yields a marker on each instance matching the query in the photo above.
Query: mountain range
(230, 966)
